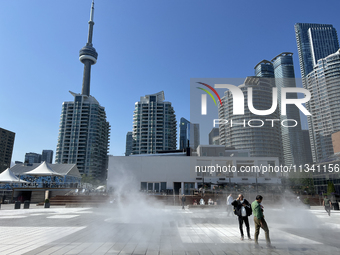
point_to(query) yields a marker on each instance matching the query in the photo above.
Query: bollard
(17, 205)
(27, 204)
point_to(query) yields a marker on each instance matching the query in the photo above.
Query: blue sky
(144, 46)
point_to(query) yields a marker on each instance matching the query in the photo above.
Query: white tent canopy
(9, 177)
(42, 170)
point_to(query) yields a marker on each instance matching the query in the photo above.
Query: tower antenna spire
(88, 56)
(91, 23)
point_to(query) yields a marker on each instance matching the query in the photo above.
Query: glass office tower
(294, 152)
(184, 133)
(129, 143)
(189, 134)
(314, 41)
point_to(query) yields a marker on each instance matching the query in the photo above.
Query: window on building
(143, 186)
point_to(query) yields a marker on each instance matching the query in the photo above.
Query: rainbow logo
(209, 93)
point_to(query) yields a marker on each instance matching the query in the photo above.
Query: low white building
(162, 172)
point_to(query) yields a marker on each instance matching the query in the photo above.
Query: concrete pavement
(162, 230)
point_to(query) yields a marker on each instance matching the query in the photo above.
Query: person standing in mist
(260, 221)
(229, 206)
(243, 210)
(183, 198)
(327, 204)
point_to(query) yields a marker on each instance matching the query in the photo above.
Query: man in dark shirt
(327, 204)
(260, 221)
(243, 210)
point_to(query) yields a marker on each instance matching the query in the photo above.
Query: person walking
(327, 204)
(243, 210)
(229, 206)
(260, 222)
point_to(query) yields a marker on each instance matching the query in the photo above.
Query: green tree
(300, 183)
(91, 180)
(330, 188)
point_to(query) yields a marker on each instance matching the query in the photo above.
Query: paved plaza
(143, 229)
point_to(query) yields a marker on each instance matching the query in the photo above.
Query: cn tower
(88, 56)
(83, 129)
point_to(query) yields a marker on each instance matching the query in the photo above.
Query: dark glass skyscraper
(264, 69)
(214, 137)
(83, 131)
(189, 134)
(31, 157)
(314, 41)
(281, 71)
(294, 152)
(184, 133)
(47, 155)
(129, 144)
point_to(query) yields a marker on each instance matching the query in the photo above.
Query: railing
(33, 185)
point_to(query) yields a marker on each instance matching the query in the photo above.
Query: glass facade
(129, 142)
(32, 157)
(47, 155)
(214, 137)
(184, 133)
(294, 152)
(314, 41)
(189, 134)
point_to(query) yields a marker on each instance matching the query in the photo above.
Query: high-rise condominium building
(262, 141)
(324, 85)
(84, 131)
(47, 155)
(281, 71)
(6, 148)
(189, 134)
(154, 125)
(31, 157)
(129, 143)
(314, 41)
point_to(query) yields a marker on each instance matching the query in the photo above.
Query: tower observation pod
(88, 56)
